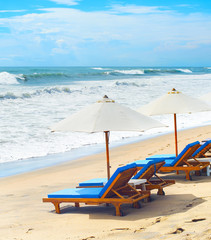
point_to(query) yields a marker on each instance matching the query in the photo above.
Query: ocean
(34, 98)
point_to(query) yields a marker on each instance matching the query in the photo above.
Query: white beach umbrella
(174, 102)
(104, 116)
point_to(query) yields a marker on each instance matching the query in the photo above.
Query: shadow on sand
(159, 206)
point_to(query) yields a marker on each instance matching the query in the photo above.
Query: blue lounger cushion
(169, 163)
(145, 164)
(173, 161)
(162, 156)
(94, 182)
(89, 192)
(76, 193)
(201, 148)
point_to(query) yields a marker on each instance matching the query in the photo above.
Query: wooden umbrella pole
(107, 153)
(175, 132)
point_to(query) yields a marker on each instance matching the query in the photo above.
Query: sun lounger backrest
(120, 178)
(149, 170)
(202, 150)
(186, 153)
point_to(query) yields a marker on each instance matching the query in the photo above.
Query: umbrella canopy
(174, 102)
(104, 116)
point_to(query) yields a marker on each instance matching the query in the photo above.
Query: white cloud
(186, 5)
(61, 47)
(66, 2)
(4, 59)
(105, 33)
(11, 11)
(106, 26)
(60, 42)
(134, 9)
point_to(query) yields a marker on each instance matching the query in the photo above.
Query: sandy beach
(183, 213)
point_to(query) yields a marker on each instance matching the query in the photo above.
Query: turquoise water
(64, 75)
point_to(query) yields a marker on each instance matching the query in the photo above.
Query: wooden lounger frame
(157, 183)
(119, 192)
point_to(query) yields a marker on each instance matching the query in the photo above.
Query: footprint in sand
(177, 231)
(91, 237)
(149, 154)
(9, 195)
(116, 229)
(139, 230)
(196, 220)
(159, 219)
(189, 205)
(29, 230)
(194, 202)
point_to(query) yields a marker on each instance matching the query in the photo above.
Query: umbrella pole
(107, 153)
(175, 132)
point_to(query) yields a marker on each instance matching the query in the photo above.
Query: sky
(105, 33)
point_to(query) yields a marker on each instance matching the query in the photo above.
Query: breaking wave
(91, 73)
(118, 83)
(8, 78)
(171, 70)
(98, 68)
(150, 71)
(53, 90)
(184, 70)
(44, 75)
(126, 72)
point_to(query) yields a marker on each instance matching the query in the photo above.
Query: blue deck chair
(145, 170)
(117, 191)
(199, 153)
(203, 150)
(183, 162)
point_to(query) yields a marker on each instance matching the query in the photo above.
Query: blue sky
(105, 33)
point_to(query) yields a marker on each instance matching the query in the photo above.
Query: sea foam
(8, 78)
(184, 70)
(50, 90)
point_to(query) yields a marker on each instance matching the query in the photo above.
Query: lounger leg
(160, 191)
(136, 205)
(188, 177)
(118, 211)
(57, 207)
